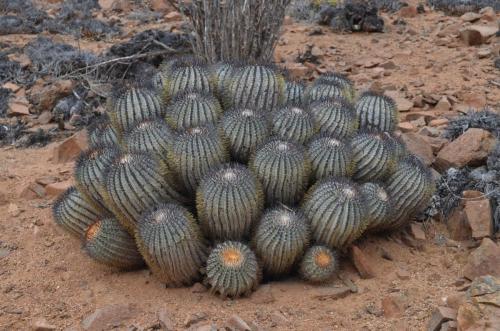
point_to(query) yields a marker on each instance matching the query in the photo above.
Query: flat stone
(392, 306)
(406, 127)
(45, 117)
(484, 53)
(11, 86)
(470, 17)
(195, 318)
(298, 70)
(443, 104)
(439, 316)
(418, 146)
(361, 262)
(331, 293)
(70, 149)
(18, 107)
(449, 326)
(417, 231)
(408, 11)
(198, 288)
(477, 34)
(455, 300)
(173, 16)
(470, 149)
(236, 323)
(203, 327)
(484, 260)
(458, 227)
(403, 274)
(166, 321)
(278, 319)
(55, 189)
(42, 325)
(479, 218)
(439, 122)
(46, 180)
(108, 317)
(33, 191)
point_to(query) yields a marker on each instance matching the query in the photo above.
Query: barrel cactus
(227, 173)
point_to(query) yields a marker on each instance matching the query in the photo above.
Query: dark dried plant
(234, 30)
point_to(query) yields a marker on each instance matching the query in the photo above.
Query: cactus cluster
(231, 172)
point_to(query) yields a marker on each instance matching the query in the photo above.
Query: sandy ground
(46, 275)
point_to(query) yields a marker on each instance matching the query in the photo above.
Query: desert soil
(45, 275)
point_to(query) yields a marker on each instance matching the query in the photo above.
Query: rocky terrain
(442, 273)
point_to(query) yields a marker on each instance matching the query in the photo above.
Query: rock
(439, 122)
(42, 325)
(195, 318)
(33, 191)
(263, 295)
(198, 288)
(165, 320)
(470, 149)
(484, 53)
(298, 70)
(204, 327)
(69, 149)
(361, 263)
(159, 5)
(406, 127)
(236, 323)
(418, 146)
(106, 4)
(470, 17)
(484, 260)
(288, 20)
(46, 180)
(45, 97)
(428, 131)
(254, 326)
(416, 115)
(55, 189)
(458, 227)
(278, 319)
(408, 12)
(389, 65)
(402, 103)
(108, 317)
(416, 231)
(403, 274)
(488, 14)
(477, 34)
(173, 16)
(3, 198)
(468, 316)
(449, 326)
(443, 104)
(439, 316)
(392, 306)
(436, 144)
(482, 309)
(14, 210)
(418, 101)
(455, 300)
(45, 117)
(333, 293)
(18, 107)
(476, 100)
(11, 86)
(479, 218)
